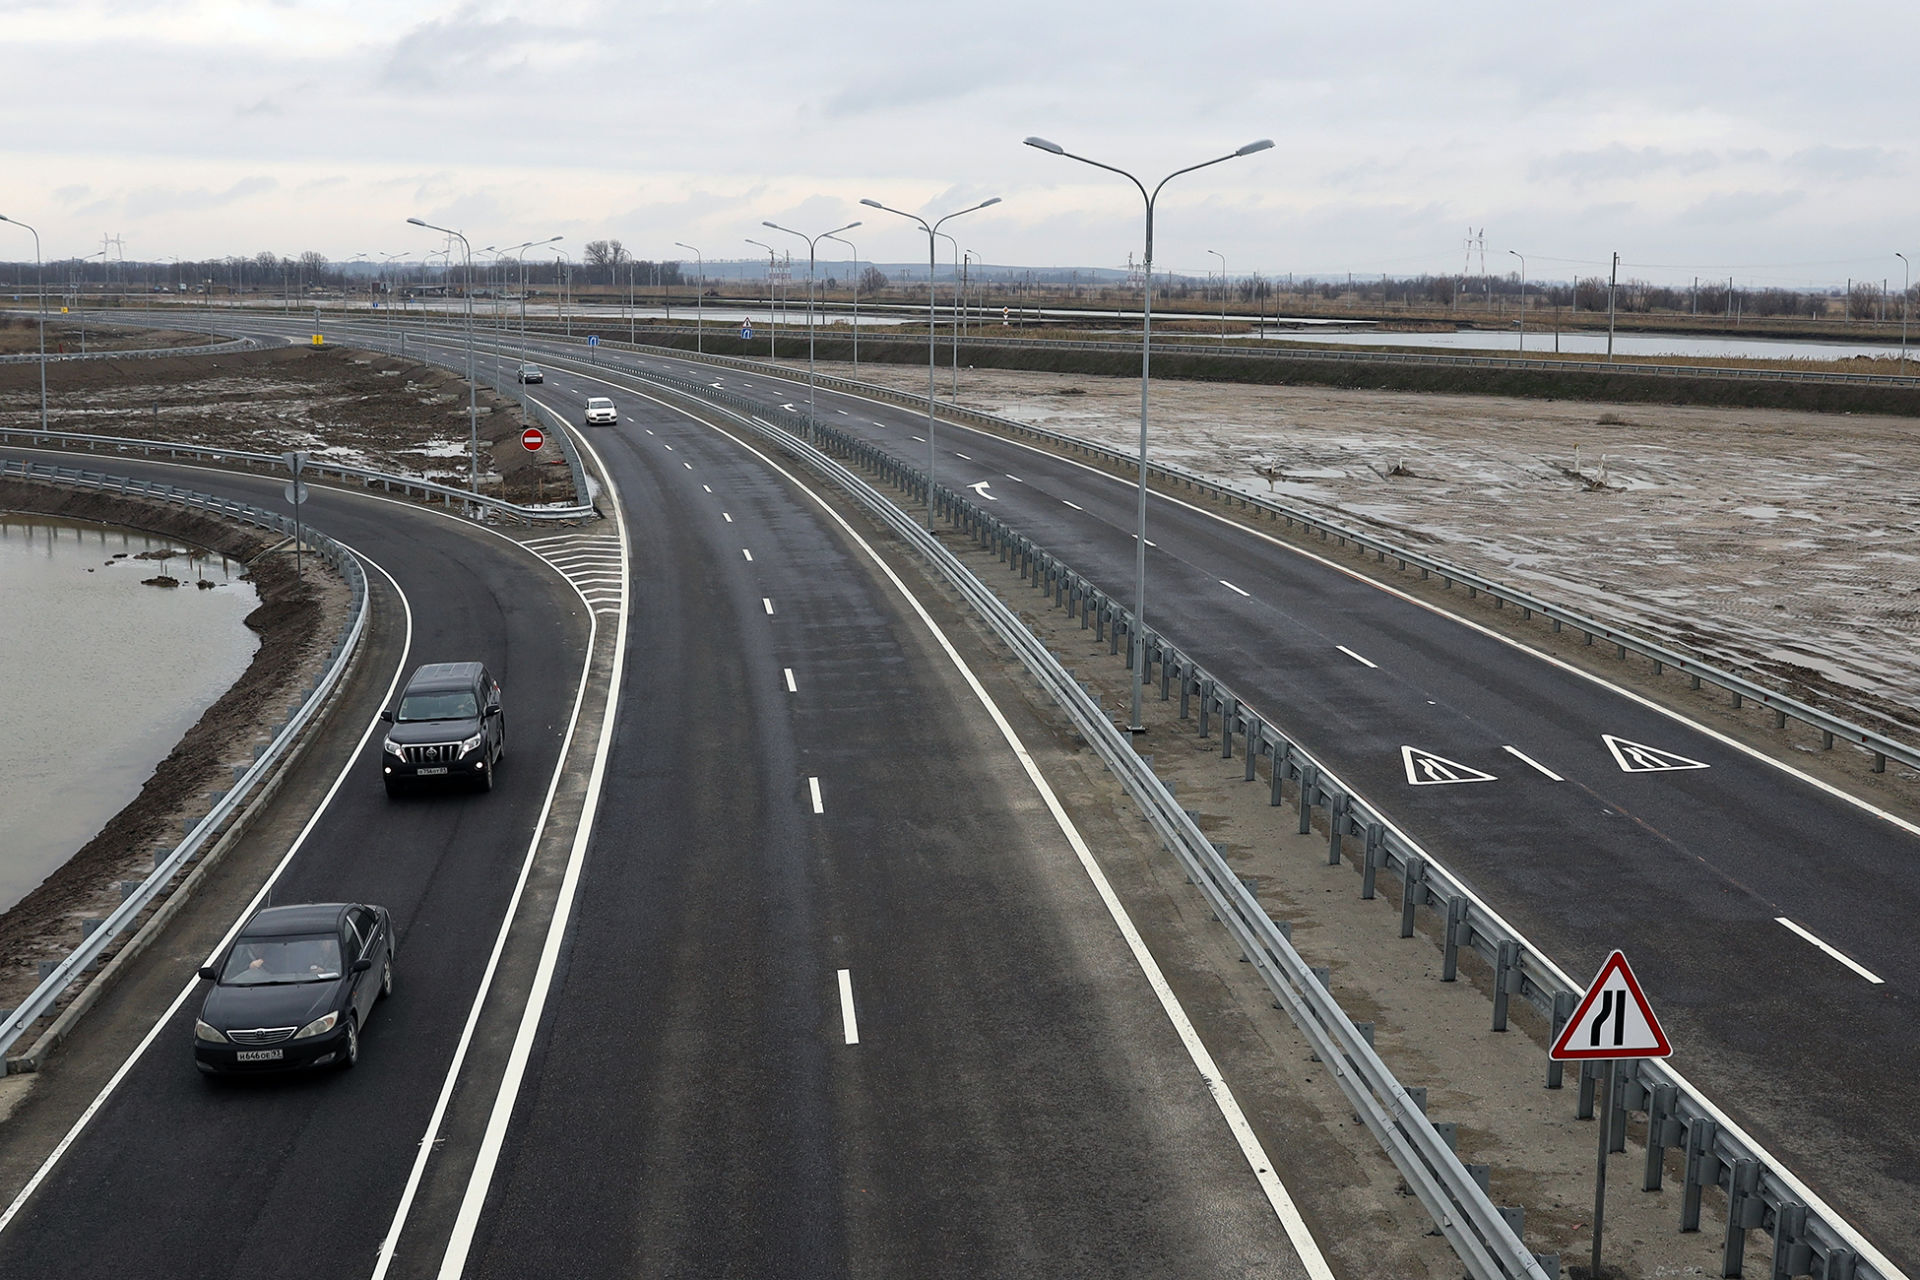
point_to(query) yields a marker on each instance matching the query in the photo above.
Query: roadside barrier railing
(1809, 1237)
(199, 831)
(319, 468)
(144, 353)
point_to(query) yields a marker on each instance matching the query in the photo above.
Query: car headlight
(392, 748)
(473, 743)
(318, 1027)
(201, 1031)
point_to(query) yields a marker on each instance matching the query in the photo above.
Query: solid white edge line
(1356, 657)
(1524, 758)
(847, 1022)
(813, 786)
(1862, 970)
(791, 686)
(454, 1261)
(193, 984)
(1243, 591)
(1276, 1192)
(390, 1244)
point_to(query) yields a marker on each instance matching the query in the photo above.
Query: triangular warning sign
(1638, 757)
(1614, 1021)
(1425, 769)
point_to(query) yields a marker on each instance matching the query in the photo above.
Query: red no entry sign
(532, 438)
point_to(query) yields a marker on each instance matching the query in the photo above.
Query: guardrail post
(1229, 708)
(1505, 970)
(1370, 860)
(1745, 1210)
(1792, 1255)
(1663, 1130)
(1256, 741)
(1625, 1082)
(1563, 1005)
(1456, 925)
(1206, 705)
(1186, 689)
(1336, 820)
(1166, 670)
(1309, 779)
(1412, 889)
(1282, 759)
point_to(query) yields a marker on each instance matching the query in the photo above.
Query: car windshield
(599, 402)
(260, 962)
(448, 704)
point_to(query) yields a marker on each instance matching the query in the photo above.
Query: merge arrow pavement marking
(1637, 757)
(1613, 1021)
(981, 489)
(1425, 769)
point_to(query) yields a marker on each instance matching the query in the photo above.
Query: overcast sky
(1766, 141)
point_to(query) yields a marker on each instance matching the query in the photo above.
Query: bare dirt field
(21, 336)
(345, 406)
(1781, 542)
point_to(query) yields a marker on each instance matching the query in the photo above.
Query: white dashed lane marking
(1524, 758)
(1863, 972)
(847, 1023)
(791, 686)
(1076, 506)
(813, 785)
(1350, 653)
(768, 603)
(748, 554)
(1229, 586)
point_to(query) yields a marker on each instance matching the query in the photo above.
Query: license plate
(439, 768)
(260, 1055)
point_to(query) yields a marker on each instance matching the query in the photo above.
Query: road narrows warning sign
(1425, 769)
(1614, 1021)
(1638, 757)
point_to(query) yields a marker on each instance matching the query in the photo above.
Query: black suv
(447, 725)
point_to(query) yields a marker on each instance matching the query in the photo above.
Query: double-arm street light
(1523, 296)
(932, 230)
(1223, 289)
(473, 400)
(1137, 635)
(954, 318)
(700, 299)
(856, 298)
(772, 327)
(566, 293)
(1906, 296)
(813, 243)
(40, 276)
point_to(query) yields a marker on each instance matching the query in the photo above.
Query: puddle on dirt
(103, 675)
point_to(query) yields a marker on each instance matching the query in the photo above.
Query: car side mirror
(210, 973)
(386, 717)
(362, 964)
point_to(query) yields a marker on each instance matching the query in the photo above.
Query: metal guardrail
(1832, 728)
(1809, 1237)
(365, 477)
(143, 353)
(19, 1020)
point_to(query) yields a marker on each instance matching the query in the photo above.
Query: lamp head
(873, 204)
(776, 227)
(1052, 147)
(989, 200)
(1252, 147)
(416, 222)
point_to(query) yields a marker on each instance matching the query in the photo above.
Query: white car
(600, 411)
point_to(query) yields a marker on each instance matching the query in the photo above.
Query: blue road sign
(593, 340)
(746, 333)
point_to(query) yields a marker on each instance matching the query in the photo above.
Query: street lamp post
(473, 397)
(812, 245)
(566, 293)
(1137, 642)
(932, 230)
(955, 317)
(40, 276)
(772, 325)
(1523, 296)
(856, 300)
(1223, 289)
(700, 300)
(1906, 295)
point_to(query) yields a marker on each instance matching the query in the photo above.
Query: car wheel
(351, 1054)
(386, 978)
(485, 781)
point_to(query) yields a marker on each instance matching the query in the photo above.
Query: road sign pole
(1605, 1117)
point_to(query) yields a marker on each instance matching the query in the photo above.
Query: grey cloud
(147, 201)
(1620, 162)
(1846, 162)
(264, 107)
(1732, 207)
(457, 48)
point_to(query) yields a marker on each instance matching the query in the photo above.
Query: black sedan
(295, 989)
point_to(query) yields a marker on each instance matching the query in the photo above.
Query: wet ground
(1776, 540)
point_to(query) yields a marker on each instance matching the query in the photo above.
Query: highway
(824, 991)
(1805, 1033)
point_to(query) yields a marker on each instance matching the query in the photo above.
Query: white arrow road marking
(1520, 755)
(1867, 974)
(1229, 586)
(1638, 757)
(789, 408)
(1425, 769)
(981, 489)
(847, 1023)
(716, 386)
(1350, 653)
(813, 785)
